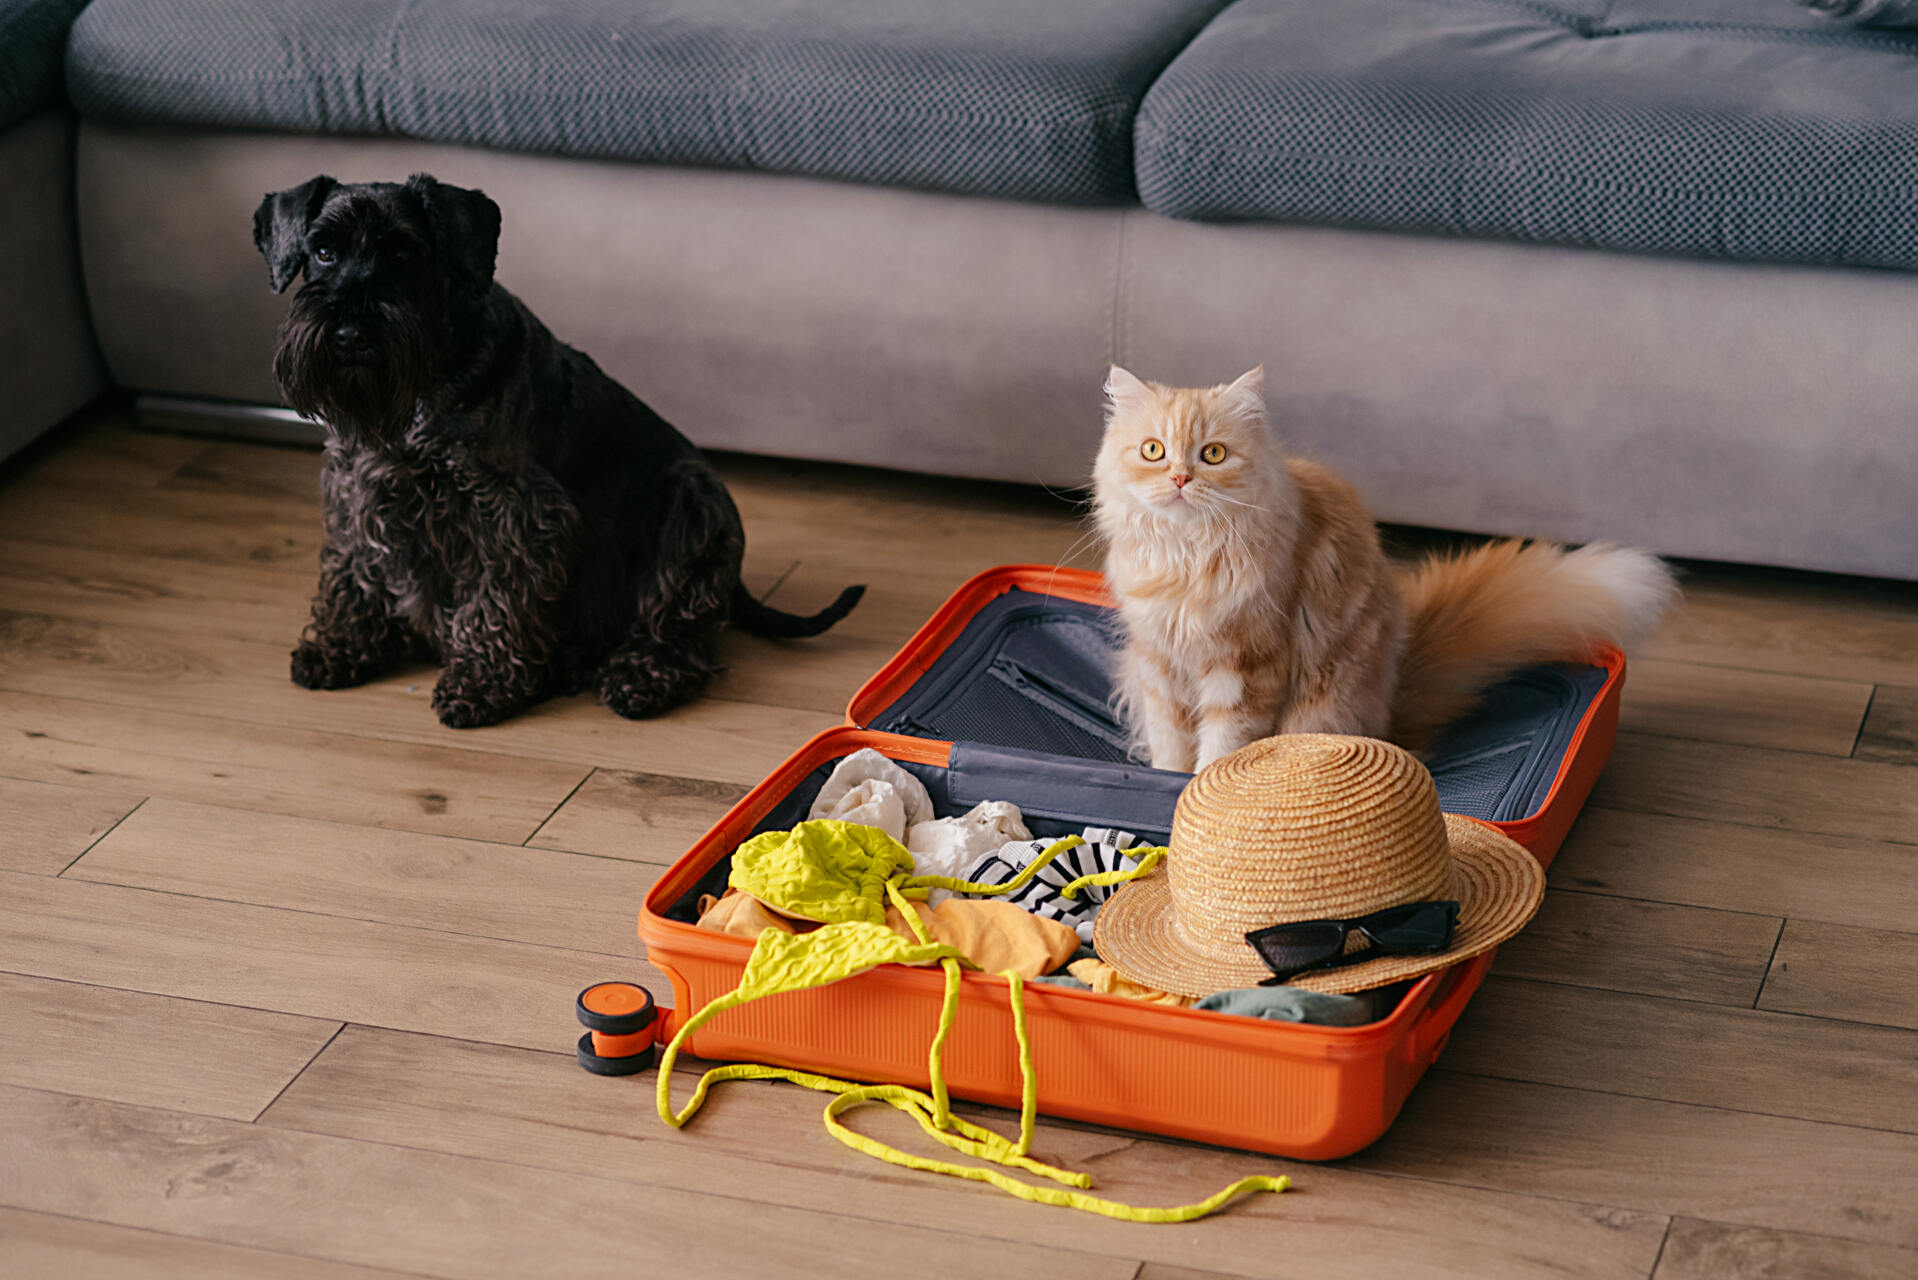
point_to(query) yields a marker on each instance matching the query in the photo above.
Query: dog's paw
(315, 668)
(464, 702)
(637, 687)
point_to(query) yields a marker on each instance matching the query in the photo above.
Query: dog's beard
(367, 396)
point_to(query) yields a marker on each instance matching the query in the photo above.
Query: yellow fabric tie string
(792, 962)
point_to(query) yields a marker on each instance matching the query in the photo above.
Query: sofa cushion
(1717, 128)
(33, 36)
(1869, 13)
(1003, 97)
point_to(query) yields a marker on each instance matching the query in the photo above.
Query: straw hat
(1311, 826)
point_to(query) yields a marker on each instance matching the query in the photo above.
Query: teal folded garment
(1294, 1004)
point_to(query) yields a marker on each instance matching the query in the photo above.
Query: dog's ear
(280, 225)
(465, 230)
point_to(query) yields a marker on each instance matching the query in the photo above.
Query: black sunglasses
(1413, 928)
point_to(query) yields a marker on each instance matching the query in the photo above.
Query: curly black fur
(492, 498)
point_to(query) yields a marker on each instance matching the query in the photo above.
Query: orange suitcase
(1014, 656)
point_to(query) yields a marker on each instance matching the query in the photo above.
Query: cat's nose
(1179, 482)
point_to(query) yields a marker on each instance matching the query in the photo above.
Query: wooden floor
(286, 977)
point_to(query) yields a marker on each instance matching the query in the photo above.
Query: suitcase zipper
(1067, 704)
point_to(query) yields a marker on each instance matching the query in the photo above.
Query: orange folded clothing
(1106, 980)
(995, 936)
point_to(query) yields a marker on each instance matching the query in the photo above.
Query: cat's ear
(1245, 396)
(1123, 387)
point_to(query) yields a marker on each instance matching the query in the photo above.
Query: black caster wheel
(628, 1065)
(622, 1023)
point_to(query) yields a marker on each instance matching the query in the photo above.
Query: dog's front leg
(353, 636)
(496, 654)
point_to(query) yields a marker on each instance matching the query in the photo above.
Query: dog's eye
(1152, 451)
(324, 257)
(1213, 453)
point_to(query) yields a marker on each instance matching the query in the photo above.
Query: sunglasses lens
(1415, 927)
(1288, 948)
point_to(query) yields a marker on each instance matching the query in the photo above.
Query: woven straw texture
(1311, 827)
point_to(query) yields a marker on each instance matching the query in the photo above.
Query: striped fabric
(1103, 850)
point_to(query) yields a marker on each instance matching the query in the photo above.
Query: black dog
(492, 498)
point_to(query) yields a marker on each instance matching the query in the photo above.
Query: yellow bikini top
(843, 875)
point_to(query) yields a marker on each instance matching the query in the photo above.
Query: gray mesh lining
(1498, 764)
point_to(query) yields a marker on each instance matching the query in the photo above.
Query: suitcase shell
(1307, 1092)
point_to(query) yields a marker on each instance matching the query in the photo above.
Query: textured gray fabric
(1007, 97)
(1869, 13)
(759, 312)
(33, 37)
(1725, 410)
(51, 366)
(1729, 411)
(1718, 128)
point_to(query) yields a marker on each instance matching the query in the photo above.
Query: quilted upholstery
(32, 34)
(1714, 128)
(1003, 97)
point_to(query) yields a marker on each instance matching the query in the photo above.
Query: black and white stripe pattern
(1104, 850)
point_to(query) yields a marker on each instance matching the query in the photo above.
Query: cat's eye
(1152, 451)
(1213, 453)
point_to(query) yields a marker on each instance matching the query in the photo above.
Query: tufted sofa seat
(1738, 129)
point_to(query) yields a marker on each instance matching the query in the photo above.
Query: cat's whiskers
(1250, 506)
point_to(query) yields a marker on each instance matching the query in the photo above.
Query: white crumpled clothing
(867, 788)
(948, 846)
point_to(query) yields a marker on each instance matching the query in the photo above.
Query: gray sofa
(51, 365)
(1583, 268)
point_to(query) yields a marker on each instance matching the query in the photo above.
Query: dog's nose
(347, 331)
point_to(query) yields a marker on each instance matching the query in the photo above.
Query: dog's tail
(775, 624)
(1478, 615)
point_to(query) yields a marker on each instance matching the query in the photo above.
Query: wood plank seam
(218, 1004)
(1720, 742)
(390, 924)
(1583, 892)
(564, 801)
(103, 835)
(1797, 1231)
(977, 1113)
(271, 723)
(738, 1199)
(1675, 999)
(1750, 670)
(1638, 1097)
(221, 1244)
(344, 1022)
(375, 733)
(1662, 1242)
(1770, 962)
(290, 1080)
(1595, 806)
(1859, 737)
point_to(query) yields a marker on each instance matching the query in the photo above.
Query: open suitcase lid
(1016, 663)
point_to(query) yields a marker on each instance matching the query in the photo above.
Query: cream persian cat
(1255, 598)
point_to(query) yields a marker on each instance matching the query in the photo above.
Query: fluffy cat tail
(1476, 616)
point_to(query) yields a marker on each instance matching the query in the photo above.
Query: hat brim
(1498, 883)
